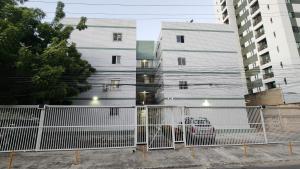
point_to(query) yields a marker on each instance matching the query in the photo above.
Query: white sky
(148, 26)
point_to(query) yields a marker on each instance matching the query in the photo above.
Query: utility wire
(140, 5)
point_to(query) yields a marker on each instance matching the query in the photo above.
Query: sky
(148, 26)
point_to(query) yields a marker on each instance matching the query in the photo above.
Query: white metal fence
(19, 127)
(282, 124)
(205, 126)
(28, 128)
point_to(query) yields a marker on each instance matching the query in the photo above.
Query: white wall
(208, 61)
(97, 46)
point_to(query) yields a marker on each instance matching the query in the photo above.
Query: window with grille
(117, 36)
(180, 38)
(181, 61)
(183, 85)
(116, 60)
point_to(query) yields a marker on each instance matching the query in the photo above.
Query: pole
(263, 125)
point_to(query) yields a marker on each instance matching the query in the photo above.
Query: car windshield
(202, 121)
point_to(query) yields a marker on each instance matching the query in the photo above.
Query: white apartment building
(269, 36)
(110, 47)
(199, 65)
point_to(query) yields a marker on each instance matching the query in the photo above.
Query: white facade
(269, 39)
(113, 84)
(210, 74)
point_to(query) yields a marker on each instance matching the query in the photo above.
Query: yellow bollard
(144, 153)
(77, 157)
(193, 153)
(290, 148)
(10, 160)
(245, 150)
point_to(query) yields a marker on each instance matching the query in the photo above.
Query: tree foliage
(37, 63)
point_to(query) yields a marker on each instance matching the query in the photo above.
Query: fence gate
(208, 126)
(66, 128)
(160, 126)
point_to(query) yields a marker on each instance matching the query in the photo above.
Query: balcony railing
(257, 20)
(262, 46)
(268, 75)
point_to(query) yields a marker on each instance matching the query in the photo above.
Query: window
(116, 60)
(117, 36)
(181, 61)
(115, 84)
(114, 111)
(183, 85)
(180, 38)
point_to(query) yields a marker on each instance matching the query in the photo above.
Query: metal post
(183, 124)
(173, 130)
(147, 128)
(40, 131)
(10, 160)
(245, 150)
(77, 157)
(290, 148)
(135, 126)
(263, 125)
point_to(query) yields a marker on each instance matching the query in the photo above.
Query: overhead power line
(138, 5)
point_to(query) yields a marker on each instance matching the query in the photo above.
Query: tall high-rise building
(269, 36)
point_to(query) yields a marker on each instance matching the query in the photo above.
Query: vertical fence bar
(183, 109)
(173, 126)
(135, 126)
(263, 125)
(40, 130)
(147, 128)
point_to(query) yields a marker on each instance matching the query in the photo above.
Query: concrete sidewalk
(181, 157)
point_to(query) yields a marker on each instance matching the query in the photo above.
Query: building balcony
(251, 2)
(268, 75)
(252, 72)
(140, 87)
(254, 84)
(223, 7)
(225, 15)
(254, 8)
(265, 59)
(250, 60)
(262, 46)
(257, 20)
(259, 33)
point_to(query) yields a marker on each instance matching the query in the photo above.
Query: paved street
(230, 157)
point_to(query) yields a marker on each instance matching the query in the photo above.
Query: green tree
(37, 63)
